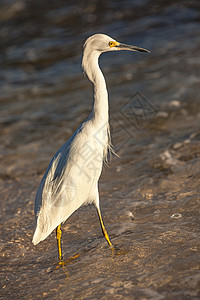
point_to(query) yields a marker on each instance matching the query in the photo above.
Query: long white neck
(100, 104)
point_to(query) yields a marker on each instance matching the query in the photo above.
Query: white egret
(71, 178)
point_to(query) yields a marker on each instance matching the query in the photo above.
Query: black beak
(131, 48)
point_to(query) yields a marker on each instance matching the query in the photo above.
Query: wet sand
(149, 194)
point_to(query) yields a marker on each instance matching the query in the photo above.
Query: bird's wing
(67, 183)
(51, 176)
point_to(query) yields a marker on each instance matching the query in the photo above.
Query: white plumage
(71, 178)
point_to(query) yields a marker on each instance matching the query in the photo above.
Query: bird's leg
(62, 263)
(103, 228)
(58, 236)
(115, 250)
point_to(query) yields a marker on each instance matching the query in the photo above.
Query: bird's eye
(112, 44)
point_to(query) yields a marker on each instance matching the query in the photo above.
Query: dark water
(149, 195)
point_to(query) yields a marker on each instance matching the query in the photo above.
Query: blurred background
(44, 97)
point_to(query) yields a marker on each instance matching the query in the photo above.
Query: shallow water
(149, 195)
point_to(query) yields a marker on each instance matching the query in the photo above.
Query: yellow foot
(62, 263)
(72, 258)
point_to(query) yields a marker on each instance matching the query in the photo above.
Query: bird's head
(100, 43)
(97, 44)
